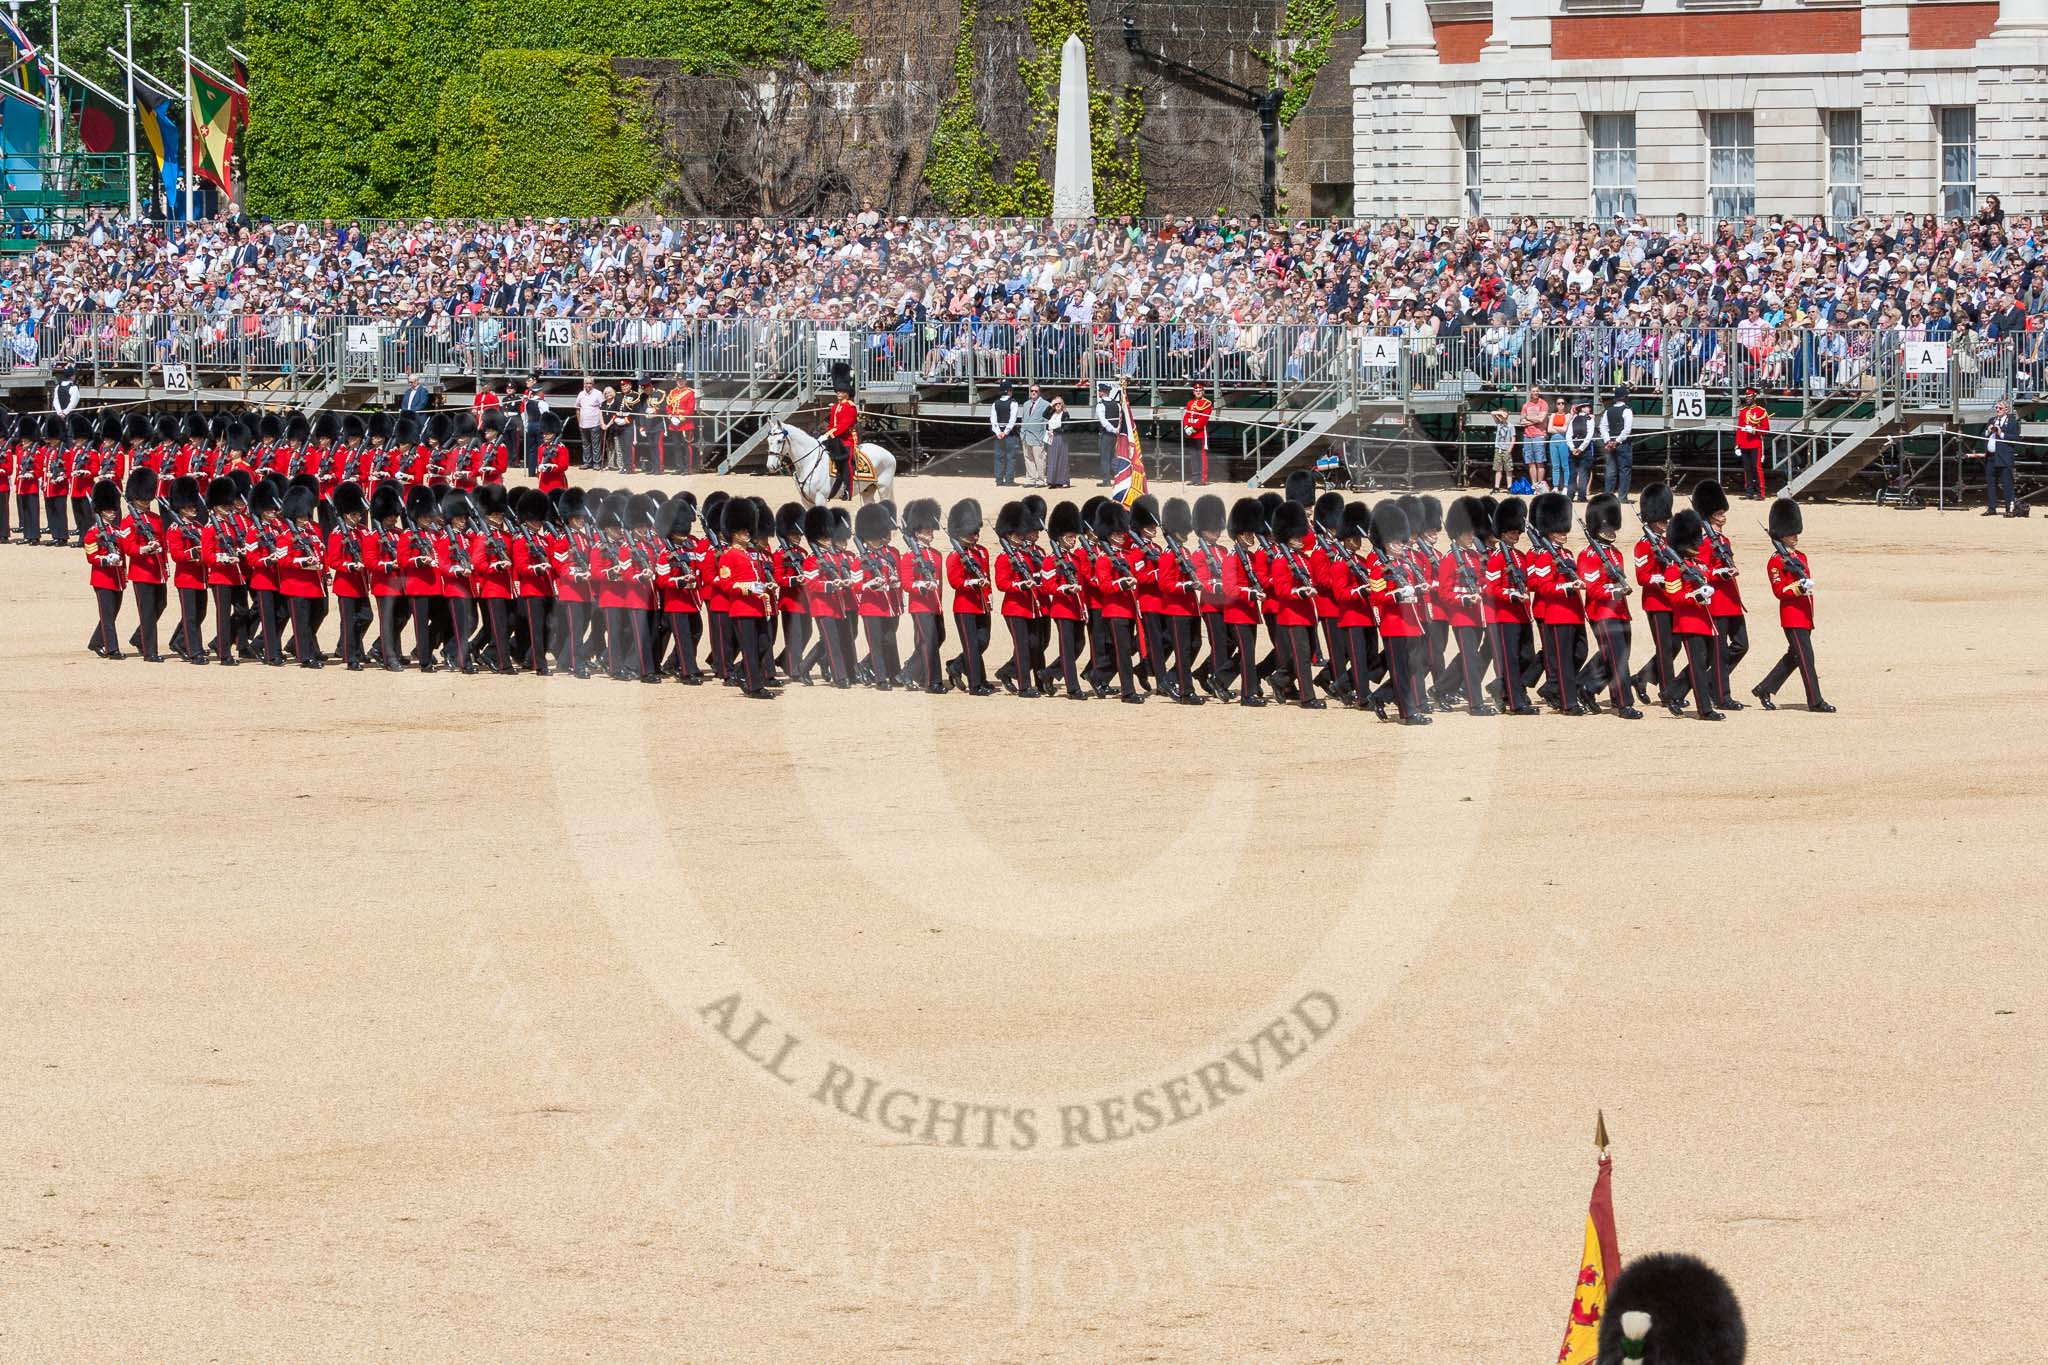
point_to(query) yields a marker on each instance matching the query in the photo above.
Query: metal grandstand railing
(1256, 366)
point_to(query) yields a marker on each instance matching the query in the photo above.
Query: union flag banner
(1598, 1264)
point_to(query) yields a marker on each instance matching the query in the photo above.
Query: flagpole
(128, 69)
(186, 168)
(56, 91)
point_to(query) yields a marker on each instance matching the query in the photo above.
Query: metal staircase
(1825, 456)
(776, 401)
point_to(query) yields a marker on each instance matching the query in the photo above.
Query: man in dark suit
(416, 396)
(2001, 448)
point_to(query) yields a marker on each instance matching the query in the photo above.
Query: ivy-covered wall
(348, 95)
(541, 132)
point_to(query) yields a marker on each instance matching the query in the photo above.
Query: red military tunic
(1795, 606)
(736, 575)
(922, 572)
(969, 580)
(1649, 579)
(1292, 584)
(1606, 600)
(142, 540)
(349, 561)
(103, 554)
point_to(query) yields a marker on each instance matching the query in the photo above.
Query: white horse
(807, 460)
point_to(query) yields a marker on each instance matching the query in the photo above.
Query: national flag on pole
(160, 130)
(1599, 1263)
(1129, 477)
(214, 130)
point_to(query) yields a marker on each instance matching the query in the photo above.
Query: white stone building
(1703, 107)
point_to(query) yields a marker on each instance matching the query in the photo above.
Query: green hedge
(540, 132)
(350, 96)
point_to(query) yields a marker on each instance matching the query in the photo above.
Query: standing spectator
(1057, 473)
(416, 397)
(1503, 450)
(1003, 416)
(1535, 433)
(1031, 427)
(589, 424)
(1616, 425)
(2001, 447)
(618, 425)
(1579, 439)
(1109, 415)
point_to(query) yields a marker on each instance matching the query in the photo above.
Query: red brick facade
(1459, 44)
(1772, 33)
(1950, 26)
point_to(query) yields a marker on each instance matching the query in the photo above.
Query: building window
(1958, 162)
(1475, 162)
(1845, 165)
(1614, 164)
(1731, 165)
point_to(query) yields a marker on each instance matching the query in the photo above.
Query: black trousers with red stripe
(355, 619)
(685, 628)
(498, 621)
(1298, 657)
(1664, 648)
(1615, 639)
(1020, 665)
(305, 648)
(1182, 631)
(1562, 645)
(750, 643)
(1471, 664)
(106, 637)
(1356, 645)
(388, 626)
(1798, 658)
(538, 611)
(1699, 660)
(189, 639)
(928, 637)
(1506, 637)
(227, 616)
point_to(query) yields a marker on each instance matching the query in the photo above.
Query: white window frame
(1620, 185)
(1948, 185)
(1842, 192)
(1472, 155)
(1731, 165)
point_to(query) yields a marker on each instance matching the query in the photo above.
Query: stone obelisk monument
(1073, 159)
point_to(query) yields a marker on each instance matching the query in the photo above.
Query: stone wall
(790, 142)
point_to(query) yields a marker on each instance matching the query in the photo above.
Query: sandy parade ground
(451, 1018)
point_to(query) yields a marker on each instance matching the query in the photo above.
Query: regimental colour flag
(215, 126)
(1599, 1263)
(1129, 476)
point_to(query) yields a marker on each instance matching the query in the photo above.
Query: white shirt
(589, 407)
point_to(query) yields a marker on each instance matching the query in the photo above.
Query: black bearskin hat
(922, 515)
(1489, 512)
(386, 501)
(1247, 518)
(1108, 518)
(1290, 522)
(1145, 513)
(610, 518)
(532, 505)
(1551, 514)
(1786, 518)
(1390, 524)
(1177, 518)
(169, 426)
(873, 522)
(1461, 518)
(455, 503)
(196, 426)
(1709, 499)
(964, 519)
(712, 509)
(1694, 1318)
(842, 525)
(326, 426)
(1034, 507)
(221, 493)
(1432, 512)
(300, 504)
(1357, 522)
(1065, 520)
(1603, 515)
(1655, 504)
(1300, 487)
(492, 498)
(1411, 508)
(297, 428)
(665, 519)
(421, 504)
(740, 516)
(378, 425)
(842, 377)
(270, 426)
(141, 484)
(575, 504)
(640, 512)
(1329, 512)
(1267, 502)
(406, 430)
(1009, 519)
(1688, 530)
(1091, 507)
(349, 499)
(242, 480)
(1210, 515)
(789, 520)
(353, 427)
(105, 496)
(818, 524)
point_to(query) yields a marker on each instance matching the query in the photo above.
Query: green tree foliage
(540, 132)
(87, 28)
(1300, 51)
(349, 99)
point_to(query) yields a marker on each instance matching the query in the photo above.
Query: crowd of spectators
(1633, 301)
